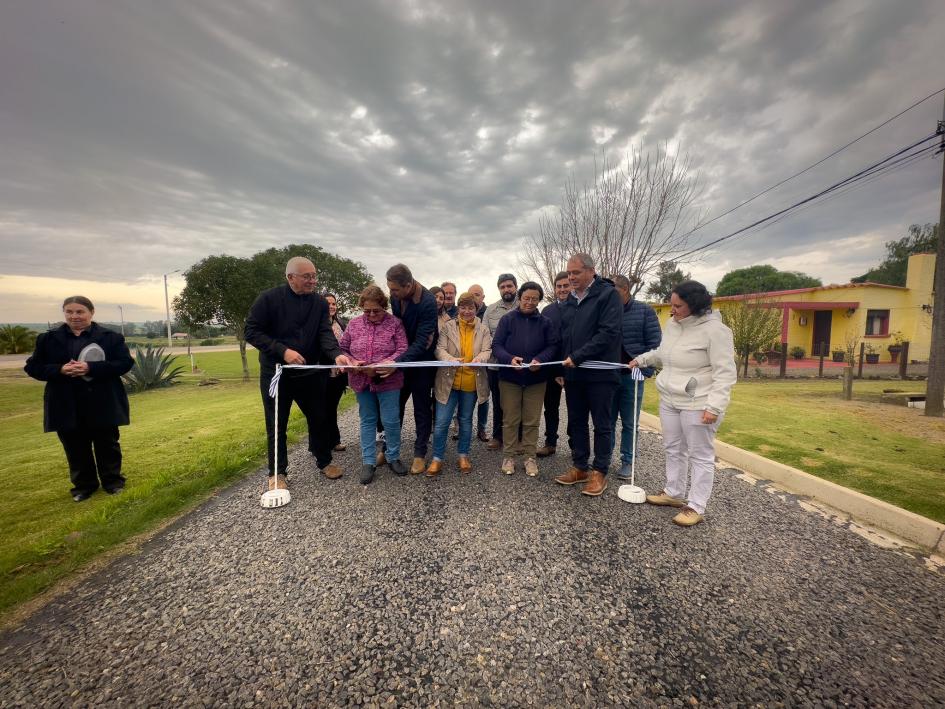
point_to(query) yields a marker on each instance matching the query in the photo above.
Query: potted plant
(760, 357)
(872, 356)
(798, 352)
(838, 355)
(896, 347)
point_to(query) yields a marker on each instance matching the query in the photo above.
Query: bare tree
(635, 215)
(755, 324)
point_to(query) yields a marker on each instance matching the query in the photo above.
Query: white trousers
(689, 447)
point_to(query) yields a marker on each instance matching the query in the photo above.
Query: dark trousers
(86, 469)
(418, 384)
(334, 390)
(496, 404)
(593, 399)
(552, 412)
(307, 389)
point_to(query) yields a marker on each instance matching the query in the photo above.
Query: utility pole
(167, 309)
(935, 386)
(121, 314)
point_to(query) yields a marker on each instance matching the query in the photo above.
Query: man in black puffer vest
(590, 330)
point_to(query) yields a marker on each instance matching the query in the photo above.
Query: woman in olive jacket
(85, 401)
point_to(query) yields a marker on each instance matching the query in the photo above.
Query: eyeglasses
(306, 276)
(372, 311)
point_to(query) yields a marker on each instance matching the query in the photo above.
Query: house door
(822, 323)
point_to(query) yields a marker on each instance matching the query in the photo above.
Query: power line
(862, 174)
(819, 162)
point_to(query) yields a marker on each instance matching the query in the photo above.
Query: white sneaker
(531, 467)
(508, 466)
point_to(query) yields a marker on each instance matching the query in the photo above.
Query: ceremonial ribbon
(590, 364)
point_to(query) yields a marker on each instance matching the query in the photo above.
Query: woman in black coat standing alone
(85, 401)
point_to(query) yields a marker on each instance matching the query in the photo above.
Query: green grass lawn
(890, 452)
(183, 443)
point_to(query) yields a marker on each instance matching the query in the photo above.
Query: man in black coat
(290, 324)
(553, 388)
(591, 330)
(416, 308)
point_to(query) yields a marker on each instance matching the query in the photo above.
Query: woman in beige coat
(465, 339)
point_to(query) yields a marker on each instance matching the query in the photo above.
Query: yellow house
(828, 317)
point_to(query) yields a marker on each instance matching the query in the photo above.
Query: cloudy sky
(138, 137)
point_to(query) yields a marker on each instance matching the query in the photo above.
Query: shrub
(16, 339)
(152, 369)
(798, 352)
(210, 342)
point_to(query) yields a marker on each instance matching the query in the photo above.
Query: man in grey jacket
(508, 286)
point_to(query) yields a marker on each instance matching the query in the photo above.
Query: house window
(877, 322)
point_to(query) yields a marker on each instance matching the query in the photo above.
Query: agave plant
(152, 369)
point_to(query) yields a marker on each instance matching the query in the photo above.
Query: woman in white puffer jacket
(697, 357)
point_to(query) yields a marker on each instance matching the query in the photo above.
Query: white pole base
(275, 498)
(632, 493)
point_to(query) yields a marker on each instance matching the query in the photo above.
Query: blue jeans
(466, 401)
(388, 404)
(623, 405)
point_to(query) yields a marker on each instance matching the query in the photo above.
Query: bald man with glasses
(290, 324)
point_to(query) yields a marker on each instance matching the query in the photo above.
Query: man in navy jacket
(553, 388)
(591, 330)
(416, 308)
(641, 333)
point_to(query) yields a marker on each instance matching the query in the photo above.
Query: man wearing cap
(590, 330)
(508, 300)
(641, 333)
(290, 324)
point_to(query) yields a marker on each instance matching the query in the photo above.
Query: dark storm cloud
(149, 135)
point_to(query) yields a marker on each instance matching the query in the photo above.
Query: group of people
(512, 352)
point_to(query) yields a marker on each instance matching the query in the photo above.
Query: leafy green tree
(668, 276)
(755, 327)
(222, 289)
(892, 271)
(343, 277)
(16, 339)
(763, 279)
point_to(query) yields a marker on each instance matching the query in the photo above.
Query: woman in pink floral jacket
(376, 338)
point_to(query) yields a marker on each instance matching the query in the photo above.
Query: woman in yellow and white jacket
(697, 356)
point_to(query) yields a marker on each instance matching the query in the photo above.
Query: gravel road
(488, 590)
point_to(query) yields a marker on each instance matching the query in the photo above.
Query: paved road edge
(915, 528)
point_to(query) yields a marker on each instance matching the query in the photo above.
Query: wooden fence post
(820, 368)
(848, 382)
(903, 360)
(783, 372)
(859, 371)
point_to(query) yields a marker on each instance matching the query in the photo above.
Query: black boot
(367, 474)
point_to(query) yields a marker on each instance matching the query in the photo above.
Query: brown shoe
(572, 477)
(464, 465)
(278, 482)
(417, 466)
(380, 459)
(332, 471)
(482, 436)
(495, 444)
(433, 469)
(665, 500)
(545, 451)
(341, 447)
(687, 517)
(596, 485)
